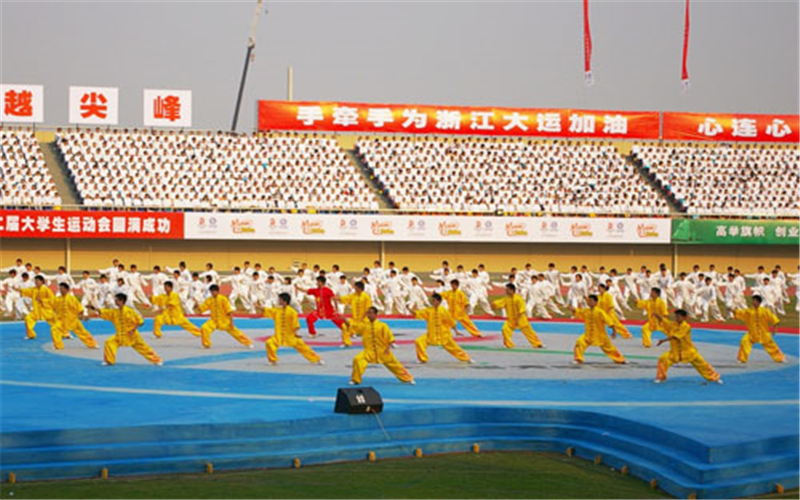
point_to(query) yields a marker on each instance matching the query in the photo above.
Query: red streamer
(685, 73)
(587, 44)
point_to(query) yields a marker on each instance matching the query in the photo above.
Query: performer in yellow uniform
(172, 313)
(595, 322)
(286, 327)
(42, 298)
(126, 323)
(682, 350)
(515, 318)
(656, 310)
(606, 304)
(378, 340)
(440, 324)
(457, 303)
(221, 319)
(359, 302)
(66, 309)
(759, 321)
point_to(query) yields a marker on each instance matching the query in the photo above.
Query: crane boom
(249, 56)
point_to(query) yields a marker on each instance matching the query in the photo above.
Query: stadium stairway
(58, 169)
(348, 145)
(675, 206)
(383, 198)
(678, 465)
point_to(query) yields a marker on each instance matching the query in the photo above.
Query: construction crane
(249, 56)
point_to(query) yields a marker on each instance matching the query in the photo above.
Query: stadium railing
(499, 213)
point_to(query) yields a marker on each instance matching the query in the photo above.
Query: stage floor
(47, 390)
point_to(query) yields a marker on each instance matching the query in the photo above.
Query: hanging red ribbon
(587, 45)
(685, 73)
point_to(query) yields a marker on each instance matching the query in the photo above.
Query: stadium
(605, 293)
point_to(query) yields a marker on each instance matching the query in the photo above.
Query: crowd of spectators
(754, 179)
(141, 168)
(206, 170)
(513, 175)
(25, 178)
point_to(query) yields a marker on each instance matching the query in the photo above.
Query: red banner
(457, 120)
(731, 128)
(684, 67)
(85, 224)
(587, 45)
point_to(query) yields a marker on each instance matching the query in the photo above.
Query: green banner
(735, 232)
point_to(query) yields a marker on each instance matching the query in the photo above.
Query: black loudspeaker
(358, 400)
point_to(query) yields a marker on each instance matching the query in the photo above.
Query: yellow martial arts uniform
(42, 298)
(126, 323)
(758, 321)
(682, 350)
(66, 309)
(220, 308)
(516, 319)
(606, 304)
(440, 324)
(457, 303)
(652, 307)
(172, 314)
(595, 322)
(286, 327)
(378, 339)
(359, 303)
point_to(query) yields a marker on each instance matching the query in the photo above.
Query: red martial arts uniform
(325, 310)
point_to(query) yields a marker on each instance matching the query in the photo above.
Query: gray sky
(743, 55)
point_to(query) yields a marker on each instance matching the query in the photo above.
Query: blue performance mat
(65, 415)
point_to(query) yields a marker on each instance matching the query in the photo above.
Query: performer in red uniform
(325, 309)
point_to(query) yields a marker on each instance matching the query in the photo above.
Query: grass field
(487, 475)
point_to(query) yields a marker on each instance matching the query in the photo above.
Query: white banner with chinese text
(167, 108)
(94, 105)
(230, 226)
(22, 103)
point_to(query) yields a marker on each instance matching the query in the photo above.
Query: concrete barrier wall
(353, 256)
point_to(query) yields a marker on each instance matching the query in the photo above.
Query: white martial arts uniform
(706, 303)
(478, 295)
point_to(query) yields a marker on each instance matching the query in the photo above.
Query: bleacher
(25, 178)
(757, 180)
(512, 175)
(289, 171)
(148, 169)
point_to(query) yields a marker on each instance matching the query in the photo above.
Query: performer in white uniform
(578, 291)
(10, 288)
(239, 288)
(417, 299)
(684, 293)
(779, 283)
(210, 272)
(105, 294)
(157, 280)
(706, 301)
(342, 288)
(90, 290)
(111, 272)
(395, 298)
(478, 294)
(136, 283)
